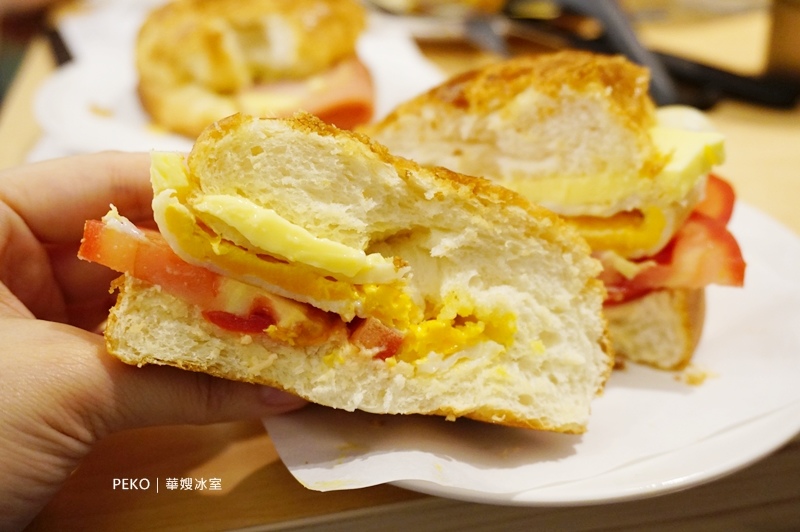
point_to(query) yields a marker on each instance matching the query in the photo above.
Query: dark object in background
(674, 79)
(16, 31)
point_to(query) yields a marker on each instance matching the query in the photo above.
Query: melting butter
(266, 230)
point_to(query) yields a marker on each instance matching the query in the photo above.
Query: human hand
(61, 391)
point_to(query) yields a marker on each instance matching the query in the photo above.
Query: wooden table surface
(259, 493)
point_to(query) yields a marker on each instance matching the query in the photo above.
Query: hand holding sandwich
(61, 391)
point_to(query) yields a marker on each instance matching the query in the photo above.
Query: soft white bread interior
(201, 60)
(512, 285)
(660, 329)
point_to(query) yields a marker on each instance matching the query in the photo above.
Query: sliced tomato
(703, 252)
(146, 256)
(370, 333)
(342, 95)
(229, 304)
(347, 100)
(261, 316)
(718, 201)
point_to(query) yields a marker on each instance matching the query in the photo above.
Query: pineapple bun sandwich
(578, 133)
(297, 255)
(202, 60)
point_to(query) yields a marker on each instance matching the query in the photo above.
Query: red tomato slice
(149, 259)
(262, 314)
(342, 95)
(347, 99)
(718, 201)
(703, 252)
(371, 333)
(99, 246)
(147, 256)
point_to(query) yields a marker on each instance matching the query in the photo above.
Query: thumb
(162, 395)
(105, 395)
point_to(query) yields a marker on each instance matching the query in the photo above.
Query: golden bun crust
(661, 329)
(225, 45)
(491, 88)
(194, 56)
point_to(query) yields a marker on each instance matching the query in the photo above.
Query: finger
(84, 287)
(11, 306)
(25, 269)
(70, 369)
(44, 207)
(193, 398)
(161, 395)
(54, 198)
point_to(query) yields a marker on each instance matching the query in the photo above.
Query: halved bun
(149, 326)
(660, 329)
(511, 284)
(578, 133)
(201, 60)
(572, 131)
(545, 120)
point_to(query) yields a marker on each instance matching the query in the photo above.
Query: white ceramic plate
(649, 433)
(91, 105)
(676, 470)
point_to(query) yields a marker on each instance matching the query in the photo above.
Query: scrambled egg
(457, 325)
